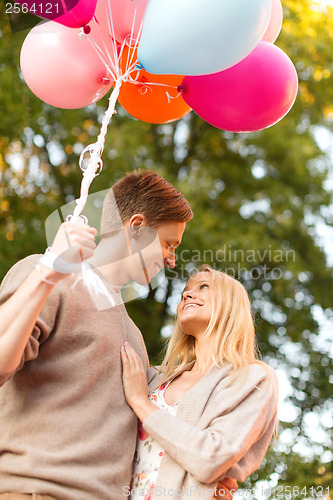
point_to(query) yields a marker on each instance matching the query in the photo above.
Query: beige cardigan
(219, 431)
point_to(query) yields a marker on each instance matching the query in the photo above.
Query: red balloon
(252, 95)
(62, 68)
(120, 18)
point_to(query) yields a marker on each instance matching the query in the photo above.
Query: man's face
(160, 252)
(170, 235)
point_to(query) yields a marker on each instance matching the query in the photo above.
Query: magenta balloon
(126, 16)
(252, 95)
(61, 68)
(275, 23)
(71, 13)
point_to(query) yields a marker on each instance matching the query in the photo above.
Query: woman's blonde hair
(231, 323)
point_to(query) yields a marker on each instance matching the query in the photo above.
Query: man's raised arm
(20, 312)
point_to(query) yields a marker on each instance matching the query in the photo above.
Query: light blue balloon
(199, 37)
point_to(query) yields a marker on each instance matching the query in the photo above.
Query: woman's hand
(135, 383)
(225, 489)
(134, 376)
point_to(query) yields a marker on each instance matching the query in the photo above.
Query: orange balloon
(151, 98)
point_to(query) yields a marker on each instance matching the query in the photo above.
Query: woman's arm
(136, 391)
(239, 437)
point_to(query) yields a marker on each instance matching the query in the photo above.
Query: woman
(212, 406)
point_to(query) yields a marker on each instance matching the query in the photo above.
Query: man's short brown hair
(147, 193)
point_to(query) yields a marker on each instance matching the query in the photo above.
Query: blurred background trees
(262, 211)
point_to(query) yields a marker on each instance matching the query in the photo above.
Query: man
(66, 430)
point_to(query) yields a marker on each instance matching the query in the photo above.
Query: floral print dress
(148, 455)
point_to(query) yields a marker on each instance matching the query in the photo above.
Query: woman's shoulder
(262, 369)
(257, 375)
(263, 377)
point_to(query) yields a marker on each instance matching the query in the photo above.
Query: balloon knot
(86, 29)
(138, 67)
(180, 88)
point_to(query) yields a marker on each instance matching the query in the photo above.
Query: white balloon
(199, 37)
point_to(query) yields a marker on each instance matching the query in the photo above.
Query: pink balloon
(71, 13)
(275, 23)
(62, 68)
(252, 95)
(126, 16)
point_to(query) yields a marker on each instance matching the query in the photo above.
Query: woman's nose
(188, 294)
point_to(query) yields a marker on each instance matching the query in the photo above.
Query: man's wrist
(49, 275)
(57, 263)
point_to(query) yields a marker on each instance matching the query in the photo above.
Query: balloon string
(95, 162)
(130, 62)
(95, 150)
(159, 84)
(112, 31)
(64, 6)
(136, 42)
(146, 87)
(133, 24)
(106, 61)
(169, 97)
(127, 75)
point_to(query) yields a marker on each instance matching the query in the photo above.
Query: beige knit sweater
(65, 427)
(220, 430)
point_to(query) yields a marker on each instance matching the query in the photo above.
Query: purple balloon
(71, 13)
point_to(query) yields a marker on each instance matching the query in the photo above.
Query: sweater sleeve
(45, 321)
(152, 373)
(238, 437)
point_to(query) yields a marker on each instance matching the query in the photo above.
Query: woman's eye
(204, 285)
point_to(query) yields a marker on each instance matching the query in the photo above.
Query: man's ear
(134, 224)
(137, 220)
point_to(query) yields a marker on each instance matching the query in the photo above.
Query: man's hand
(20, 312)
(226, 489)
(74, 242)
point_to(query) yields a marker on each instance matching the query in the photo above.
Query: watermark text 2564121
(26, 14)
(37, 8)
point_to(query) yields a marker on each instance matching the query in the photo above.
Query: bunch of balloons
(164, 58)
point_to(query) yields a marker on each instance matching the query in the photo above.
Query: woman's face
(195, 308)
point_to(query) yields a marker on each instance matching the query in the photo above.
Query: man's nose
(170, 260)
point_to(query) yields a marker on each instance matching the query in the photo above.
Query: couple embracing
(82, 415)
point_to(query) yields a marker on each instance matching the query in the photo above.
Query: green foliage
(257, 199)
